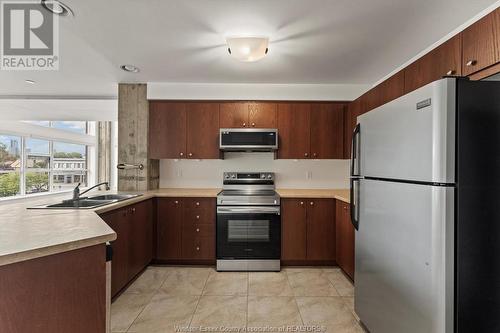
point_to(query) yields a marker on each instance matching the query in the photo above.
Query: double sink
(88, 202)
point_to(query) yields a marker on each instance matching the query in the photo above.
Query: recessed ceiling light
(247, 49)
(30, 81)
(57, 7)
(130, 68)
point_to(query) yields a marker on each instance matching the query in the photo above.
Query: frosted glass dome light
(247, 49)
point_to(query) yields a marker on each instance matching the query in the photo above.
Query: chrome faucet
(77, 194)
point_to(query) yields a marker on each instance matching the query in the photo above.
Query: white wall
(289, 173)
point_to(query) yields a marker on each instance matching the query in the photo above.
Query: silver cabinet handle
(471, 63)
(253, 124)
(451, 72)
(197, 217)
(314, 154)
(302, 203)
(197, 229)
(176, 202)
(197, 248)
(190, 154)
(197, 203)
(311, 203)
(306, 154)
(181, 154)
(244, 124)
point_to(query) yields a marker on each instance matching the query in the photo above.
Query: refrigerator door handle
(353, 205)
(355, 152)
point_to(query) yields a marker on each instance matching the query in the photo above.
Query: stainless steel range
(248, 223)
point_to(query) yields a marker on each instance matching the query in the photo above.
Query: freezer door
(412, 137)
(404, 257)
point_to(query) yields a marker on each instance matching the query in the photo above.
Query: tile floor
(194, 299)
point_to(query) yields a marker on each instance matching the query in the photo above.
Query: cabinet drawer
(200, 204)
(199, 216)
(198, 247)
(199, 230)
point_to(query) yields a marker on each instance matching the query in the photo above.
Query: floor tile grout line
(142, 310)
(294, 298)
(199, 299)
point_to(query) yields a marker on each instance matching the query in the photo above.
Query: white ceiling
(311, 41)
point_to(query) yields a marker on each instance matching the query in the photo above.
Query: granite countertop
(32, 233)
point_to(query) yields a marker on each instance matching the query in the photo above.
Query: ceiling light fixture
(247, 49)
(56, 7)
(30, 81)
(130, 68)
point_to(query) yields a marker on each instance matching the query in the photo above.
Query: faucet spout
(77, 194)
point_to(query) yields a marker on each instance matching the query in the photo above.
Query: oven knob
(233, 176)
(226, 176)
(263, 176)
(269, 176)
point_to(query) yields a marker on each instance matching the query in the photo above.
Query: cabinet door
(294, 130)
(320, 229)
(496, 15)
(262, 115)
(141, 236)
(391, 88)
(233, 115)
(169, 228)
(119, 221)
(350, 123)
(198, 233)
(479, 45)
(344, 238)
(293, 229)
(167, 130)
(327, 131)
(203, 130)
(443, 60)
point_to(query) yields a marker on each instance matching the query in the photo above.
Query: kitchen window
(57, 162)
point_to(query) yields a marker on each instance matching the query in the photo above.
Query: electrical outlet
(179, 173)
(309, 175)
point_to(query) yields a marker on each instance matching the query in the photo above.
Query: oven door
(248, 233)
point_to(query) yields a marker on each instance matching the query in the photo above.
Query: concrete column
(133, 115)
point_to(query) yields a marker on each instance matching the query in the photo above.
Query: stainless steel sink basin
(88, 202)
(118, 197)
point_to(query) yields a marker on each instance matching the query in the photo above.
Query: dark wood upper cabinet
(320, 229)
(496, 23)
(344, 238)
(294, 128)
(262, 115)
(202, 130)
(479, 43)
(233, 115)
(293, 229)
(352, 112)
(167, 130)
(391, 88)
(444, 60)
(169, 228)
(327, 131)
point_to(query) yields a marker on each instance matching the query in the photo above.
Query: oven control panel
(249, 176)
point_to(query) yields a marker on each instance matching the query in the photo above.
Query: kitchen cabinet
(186, 229)
(310, 130)
(308, 230)
(203, 130)
(167, 130)
(293, 229)
(327, 131)
(183, 130)
(169, 228)
(351, 114)
(444, 60)
(344, 238)
(248, 114)
(480, 44)
(391, 88)
(132, 249)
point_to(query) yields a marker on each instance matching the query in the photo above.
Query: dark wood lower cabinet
(186, 229)
(344, 239)
(59, 293)
(308, 231)
(133, 247)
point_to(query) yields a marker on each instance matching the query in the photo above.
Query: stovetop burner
(248, 189)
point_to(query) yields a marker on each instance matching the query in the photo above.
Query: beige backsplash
(289, 173)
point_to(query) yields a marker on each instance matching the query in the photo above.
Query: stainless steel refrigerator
(425, 202)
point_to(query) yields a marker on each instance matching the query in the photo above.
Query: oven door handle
(248, 210)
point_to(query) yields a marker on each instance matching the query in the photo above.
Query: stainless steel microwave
(248, 139)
